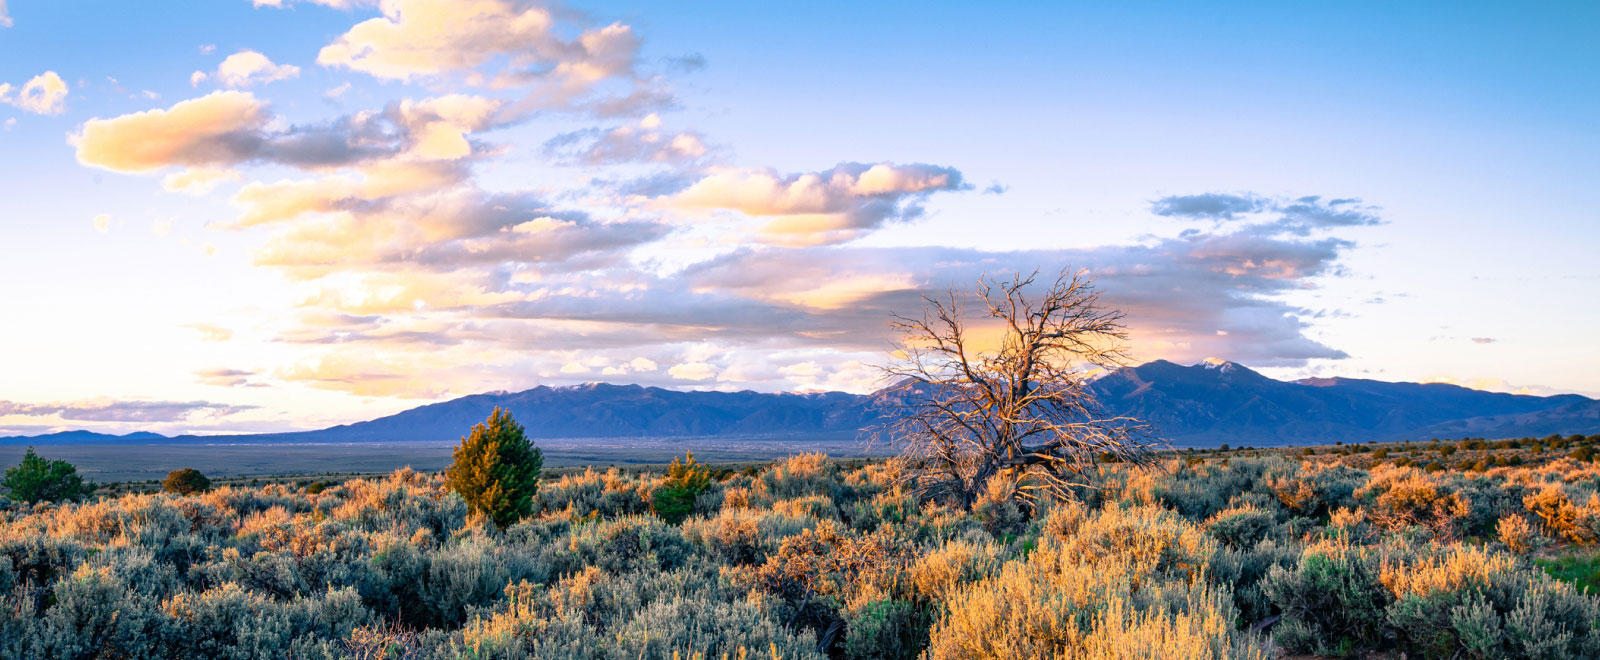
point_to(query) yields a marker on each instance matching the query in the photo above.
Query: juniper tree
(674, 500)
(37, 479)
(496, 469)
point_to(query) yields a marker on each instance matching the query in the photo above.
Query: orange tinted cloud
(216, 129)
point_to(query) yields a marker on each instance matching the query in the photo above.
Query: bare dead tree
(1020, 410)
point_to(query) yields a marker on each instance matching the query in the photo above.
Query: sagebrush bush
(809, 558)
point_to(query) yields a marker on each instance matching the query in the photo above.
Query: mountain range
(1205, 404)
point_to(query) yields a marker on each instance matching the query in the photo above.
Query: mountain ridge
(1208, 403)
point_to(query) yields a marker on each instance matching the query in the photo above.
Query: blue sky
(735, 195)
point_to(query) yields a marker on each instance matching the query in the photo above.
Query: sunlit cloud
(693, 371)
(218, 129)
(661, 261)
(44, 94)
(198, 180)
(246, 68)
(1491, 384)
(502, 45)
(831, 206)
(102, 223)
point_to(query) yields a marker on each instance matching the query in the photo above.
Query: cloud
(222, 128)
(197, 180)
(5, 17)
(642, 142)
(1299, 216)
(1213, 206)
(336, 4)
(505, 45)
(1490, 384)
(693, 371)
(248, 67)
(209, 332)
(107, 410)
(230, 128)
(444, 231)
(1483, 340)
(778, 317)
(419, 270)
(221, 377)
(689, 63)
(831, 206)
(102, 223)
(44, 94)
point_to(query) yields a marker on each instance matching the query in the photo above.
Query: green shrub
(496, 469)
(39, 480)
(884, 630)
(628, 544)
(1241, 526)
(686, 480)
(1332, 601)
(186, 481)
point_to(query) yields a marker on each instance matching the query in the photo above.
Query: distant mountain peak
(1214, 401)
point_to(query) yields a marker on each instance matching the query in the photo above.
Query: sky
(237, 216)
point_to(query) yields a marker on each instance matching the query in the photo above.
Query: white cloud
(695, 371)
(5, 17)
(248, 67)
(44, 94)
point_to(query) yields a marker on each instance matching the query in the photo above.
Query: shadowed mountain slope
(1206, 404)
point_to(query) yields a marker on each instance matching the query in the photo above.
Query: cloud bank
(105, 410)
(662, 259)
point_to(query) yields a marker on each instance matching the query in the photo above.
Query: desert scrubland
(1433, 550)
